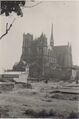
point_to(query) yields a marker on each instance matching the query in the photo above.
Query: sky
(65, 19)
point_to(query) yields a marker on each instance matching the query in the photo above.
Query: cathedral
(43, 60)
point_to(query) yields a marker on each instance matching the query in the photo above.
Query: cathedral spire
(51, 38)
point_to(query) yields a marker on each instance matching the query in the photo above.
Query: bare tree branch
(7, 29)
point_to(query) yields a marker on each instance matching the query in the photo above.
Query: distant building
(43, 60)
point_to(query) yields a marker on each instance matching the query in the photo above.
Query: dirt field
(39, 101)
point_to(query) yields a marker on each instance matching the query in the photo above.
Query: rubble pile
(23, 85)
(4, 86)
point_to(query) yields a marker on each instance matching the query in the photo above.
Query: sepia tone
(39, 71)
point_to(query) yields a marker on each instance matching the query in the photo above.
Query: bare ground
(23, 102)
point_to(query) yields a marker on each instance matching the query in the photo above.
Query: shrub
(73, 115)
(52, 113)
(29, 85)
(41, 114)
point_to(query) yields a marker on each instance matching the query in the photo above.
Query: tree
(7, 7)
(19, 66)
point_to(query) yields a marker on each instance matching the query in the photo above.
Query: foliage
(19, 67)
(41, 114)
(8, 7)
(73, 115)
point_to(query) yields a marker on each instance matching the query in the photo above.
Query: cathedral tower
(51, 38)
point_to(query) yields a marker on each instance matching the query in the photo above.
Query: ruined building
(43, 60)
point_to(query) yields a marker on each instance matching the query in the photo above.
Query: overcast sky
(65, 19)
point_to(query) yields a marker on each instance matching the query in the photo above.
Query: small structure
(16, 75)
(75, 74)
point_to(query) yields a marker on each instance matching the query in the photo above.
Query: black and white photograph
(39, 59)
